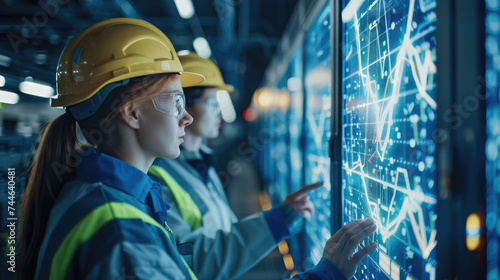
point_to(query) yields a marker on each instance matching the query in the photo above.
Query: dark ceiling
(243, 34)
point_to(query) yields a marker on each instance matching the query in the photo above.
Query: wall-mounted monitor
(388, 116)
(493, 139)
(317, 128)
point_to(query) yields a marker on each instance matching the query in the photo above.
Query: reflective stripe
(187, 208)
(88, 226)
(191, 273)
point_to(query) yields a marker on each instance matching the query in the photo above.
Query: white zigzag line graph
(420, 71)
(411, 206)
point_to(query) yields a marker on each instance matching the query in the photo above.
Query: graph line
(411, 205)
(422, 69)
(420, 72)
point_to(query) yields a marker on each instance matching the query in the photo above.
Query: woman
(101, 215)
(91, 212)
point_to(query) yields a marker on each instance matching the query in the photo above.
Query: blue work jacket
(109, 223)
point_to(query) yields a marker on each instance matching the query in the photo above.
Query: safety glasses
(172, 104)
(211, 105)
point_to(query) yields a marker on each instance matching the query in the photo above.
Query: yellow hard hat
(111, 51)
(192, 62)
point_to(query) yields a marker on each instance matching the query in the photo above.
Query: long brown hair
(54, 165)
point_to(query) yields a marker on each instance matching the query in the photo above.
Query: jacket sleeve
(130, 260)
(228, 255)
(231, 254)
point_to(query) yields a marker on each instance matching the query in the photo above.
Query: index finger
(357, 234)
(336, 237)
(304, 190)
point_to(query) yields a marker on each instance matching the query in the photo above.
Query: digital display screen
(388, 116)
(493, 139)
(279, 148)
(317, 77)
(282, 123)
(277, 115)
(295, 117)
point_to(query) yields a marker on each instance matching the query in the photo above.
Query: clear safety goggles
(211, 105)
(172, 104)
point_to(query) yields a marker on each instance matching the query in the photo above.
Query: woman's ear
(130, 115)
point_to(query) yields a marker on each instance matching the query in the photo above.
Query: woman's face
(161, 131)
(206, 113)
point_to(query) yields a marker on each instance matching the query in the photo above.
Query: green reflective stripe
(88, 226)
(187, 208)
(191, 273)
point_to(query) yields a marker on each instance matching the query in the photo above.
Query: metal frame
(460, 137)
(336, 137)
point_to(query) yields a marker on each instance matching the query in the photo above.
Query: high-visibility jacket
(109, 223)
(223, 247)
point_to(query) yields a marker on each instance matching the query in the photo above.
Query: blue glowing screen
(281, 156)
(317, 131)
(295, 117)
(493, 138)
(280, 144)
(389, 114)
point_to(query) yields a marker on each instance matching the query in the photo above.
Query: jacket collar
(99, 167)
(205, 154)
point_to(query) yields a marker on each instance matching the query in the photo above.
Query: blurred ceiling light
(202, 47)
(287, 259)
(473, 231)
(249, 115)
(185, 8)
(4, 60)
(283, 100)
(183, 52)
(36, 89)
(294, 84)
(24, 130)
(2, 81)
(226, 106)
(40, 58)
(265, 99)
(8, 97)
